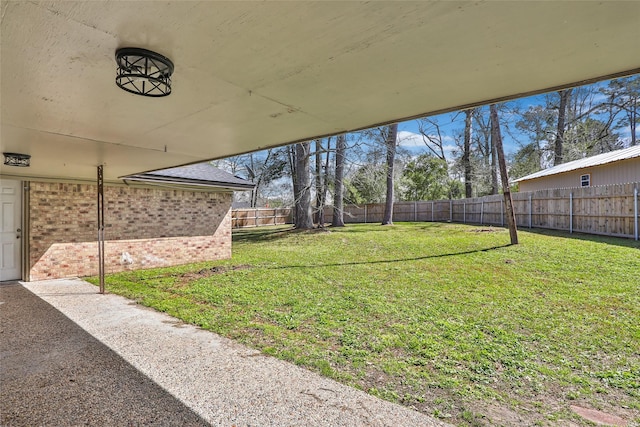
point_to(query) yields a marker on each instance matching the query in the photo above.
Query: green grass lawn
(448, 319)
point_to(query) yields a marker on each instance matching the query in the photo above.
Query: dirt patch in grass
(485, 230)
(186, 279)
(206, 272)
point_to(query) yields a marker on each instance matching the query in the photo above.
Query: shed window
(585, 180)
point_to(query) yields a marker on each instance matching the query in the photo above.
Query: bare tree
(262, 171)
(319, 209)
(325, 179)
(432, 136)
(506, 190)
(392, 135)
(562, 113)
(624, 97)
(483, 166)
(466, 153)
(322, 179)
(338, 191)
(494, 167)
(302, 187)
(261, 167)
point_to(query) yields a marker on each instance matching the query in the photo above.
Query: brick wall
(144, 228)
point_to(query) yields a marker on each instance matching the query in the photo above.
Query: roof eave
(191, 182)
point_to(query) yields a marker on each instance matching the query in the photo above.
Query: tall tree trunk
(291, 157)
(338, 193)
(391, 158)
(257, 177)
(506, 190)
(319, 209)
(494, 168)
(302, 219)
(252, 176)
(325, 180)
(562, 114)
(466, 155)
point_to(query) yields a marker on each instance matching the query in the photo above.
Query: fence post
(450, 210)
(415, 211)
(464, 212)
(432, 206)
(635, 210)
(571, 212)
(502, 212)
(481, 211)
(530, 208)
(365, 213)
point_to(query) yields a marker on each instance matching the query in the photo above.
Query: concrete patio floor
(73, 357)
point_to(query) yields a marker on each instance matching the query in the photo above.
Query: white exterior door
(10, 229)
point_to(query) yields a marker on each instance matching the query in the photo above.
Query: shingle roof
(203, 174)
(600, 159)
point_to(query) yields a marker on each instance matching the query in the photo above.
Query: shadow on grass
(383, 261)
(262, 234)
(272, 233)
(267, 233)
(610, 240)
(379, 227)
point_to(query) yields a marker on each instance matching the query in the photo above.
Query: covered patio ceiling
(255, 75)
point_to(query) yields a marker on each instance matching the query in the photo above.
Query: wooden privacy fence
(438, 210)
(256, 217)
(608, 210)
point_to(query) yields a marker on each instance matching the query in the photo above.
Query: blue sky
(452, 124)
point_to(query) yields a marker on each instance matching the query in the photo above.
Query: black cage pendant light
(143, 72)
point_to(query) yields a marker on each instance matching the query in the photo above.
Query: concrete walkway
(174, 370)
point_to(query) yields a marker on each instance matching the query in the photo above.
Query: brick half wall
(144, 228)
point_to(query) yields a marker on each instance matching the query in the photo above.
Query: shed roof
(200, 174)
(600, 159)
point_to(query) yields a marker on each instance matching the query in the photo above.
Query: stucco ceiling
(253, 75)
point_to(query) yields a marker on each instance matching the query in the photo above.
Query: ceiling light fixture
(143, 72)
(16, 159)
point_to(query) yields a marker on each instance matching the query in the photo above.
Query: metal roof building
(615, 167)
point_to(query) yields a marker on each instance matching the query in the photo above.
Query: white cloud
(410, 139)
